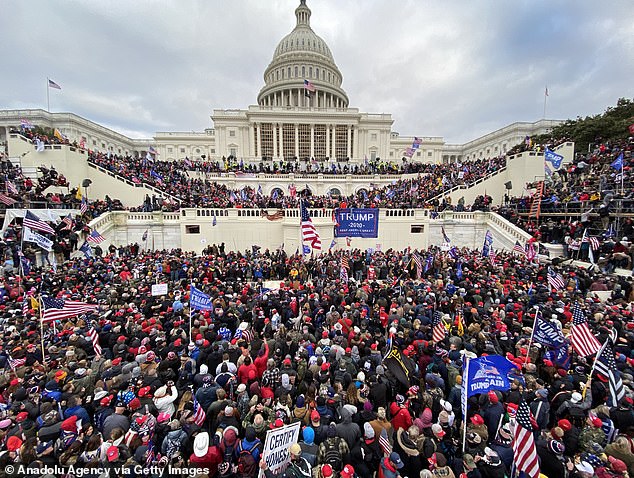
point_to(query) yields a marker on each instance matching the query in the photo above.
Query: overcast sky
(455, 69)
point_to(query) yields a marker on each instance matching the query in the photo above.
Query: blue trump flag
(618, 162)
(199, 300)
(553, 158)
(491, 372)
(546, 332)
(306, 249)
(559, 356)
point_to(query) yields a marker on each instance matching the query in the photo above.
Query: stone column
(274, 140)
(328, 140)
(312, 140)
(251, 149)
(281, 133)
(297, 141)
(258, 152)
(334, 141)
(349, 143)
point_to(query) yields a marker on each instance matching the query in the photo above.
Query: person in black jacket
(551, 457)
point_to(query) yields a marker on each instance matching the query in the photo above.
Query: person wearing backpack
(333, 451)
(248, 451)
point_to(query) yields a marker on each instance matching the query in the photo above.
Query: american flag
(95, 237)
(606, 365)
(594, 242)
(52, 84)
(519, 249)
(26, 305)
(530, 252)
(493, 258)
(68, 223)
(343, 274)
(246, 334)
(4, 199)
(34, 222)
(524, 450)
(344, 262)
(385, 442)
(84, 206)
(94, 338)
(309, 233)
(555, 279)
(438, 334)
(309, 86)
(58, 309)
(11, 188)
(445, 237)
(199, 413)
(418, 260)
(16, 363)
(583, 341)
(277, 215)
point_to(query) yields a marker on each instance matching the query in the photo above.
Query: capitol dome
(302, 55)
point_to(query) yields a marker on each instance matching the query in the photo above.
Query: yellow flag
(78, 195)
(57, 133)
(35, 304)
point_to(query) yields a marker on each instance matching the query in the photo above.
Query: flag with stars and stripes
(343, 274)
(438, 333)
(11, 188)
(16, 363)
(243, 334)
(68, 223)
(583, 340)
(32, 221)
(524, 451)
(58, 309)
(83, 208)
(94, 339)
(309, 232)
(386, 446)
(519, 249)
(199, 413)
(95, 237)
(418, 260)
(555, 280)
(606, 365)
(6, 200)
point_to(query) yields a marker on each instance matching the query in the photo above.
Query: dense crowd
(309, 349)
(173, 178)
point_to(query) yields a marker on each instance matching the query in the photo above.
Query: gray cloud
(454, 69)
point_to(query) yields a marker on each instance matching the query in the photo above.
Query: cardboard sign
(159, 289)
(276, 445)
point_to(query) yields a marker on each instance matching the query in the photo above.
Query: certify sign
(357, 223)
(276, 445)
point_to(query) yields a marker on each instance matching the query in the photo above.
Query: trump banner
(491, 372)
(199, 300)
(357, 223)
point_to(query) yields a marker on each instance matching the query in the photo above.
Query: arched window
(317, 73)
(303, 72)
(296, 72)
(310, 72)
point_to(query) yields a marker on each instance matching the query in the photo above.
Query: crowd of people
(173, 178)
(309, 349)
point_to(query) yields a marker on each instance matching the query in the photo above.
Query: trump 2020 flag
(553, 158)
(486, 373)
(488, 240)
(618, 162)
(199, 300)
(546, 332)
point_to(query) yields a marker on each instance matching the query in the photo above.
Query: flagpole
(594, 363)
(190, 312)
(530, 342)
(41, 307)
(465, 390)
(545, 96)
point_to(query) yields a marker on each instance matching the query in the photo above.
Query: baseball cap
(314, 416)
(112, 453)
(396, 459)
(295, 449)
(347, 472)
(437, 430)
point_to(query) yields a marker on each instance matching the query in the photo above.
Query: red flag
(632, 128)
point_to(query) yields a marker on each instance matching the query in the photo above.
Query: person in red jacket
(401, 417)
(244, 369)
(261, 359)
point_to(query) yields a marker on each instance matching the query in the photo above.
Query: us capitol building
(286, 123)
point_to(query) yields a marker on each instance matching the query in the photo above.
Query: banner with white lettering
(357, 223)
(276, 445)
(159, 289)
(491, 372)
(39, 239)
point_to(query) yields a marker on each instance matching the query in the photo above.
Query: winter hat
(426, 418)
(368, 431)
(309, 435)
(576, 397)
(556, 447)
